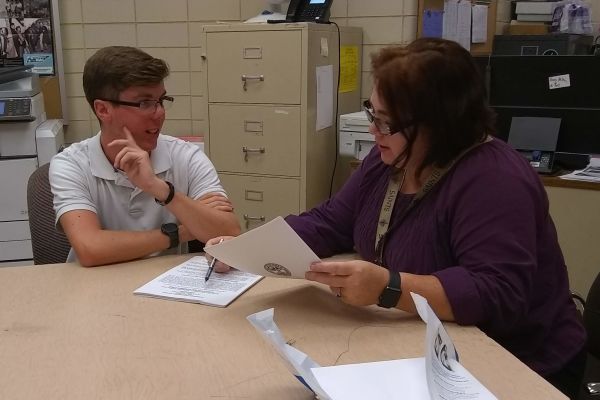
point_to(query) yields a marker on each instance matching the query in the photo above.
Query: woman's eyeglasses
(146, 106)
(383, 127)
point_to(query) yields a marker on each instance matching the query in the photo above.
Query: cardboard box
(535, 7)
(528, 28)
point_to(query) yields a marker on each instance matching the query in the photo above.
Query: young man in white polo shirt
(130, 192)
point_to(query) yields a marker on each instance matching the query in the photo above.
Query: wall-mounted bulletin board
(431, 16)
(30, 35)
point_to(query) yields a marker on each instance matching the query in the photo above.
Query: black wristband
(169, 197)
(391, 294)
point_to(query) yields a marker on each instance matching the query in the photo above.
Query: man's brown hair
(115, 68)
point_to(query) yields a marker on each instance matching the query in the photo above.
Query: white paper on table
(273, 249)
(591, 173)
(324, 96)
(436, 376)
(185, 282)
(479, 28)
(298, 363)
(395, 379)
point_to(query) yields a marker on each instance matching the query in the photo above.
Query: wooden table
(68, 332)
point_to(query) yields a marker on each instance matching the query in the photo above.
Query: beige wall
(171, 29)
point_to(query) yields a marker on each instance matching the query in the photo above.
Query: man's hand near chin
(135, 163)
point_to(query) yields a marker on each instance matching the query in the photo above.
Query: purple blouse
(484, 231)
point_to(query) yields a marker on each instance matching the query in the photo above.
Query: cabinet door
(16, 250)
(258, 200)
(14, 175)
(254, 67)
(255, 139)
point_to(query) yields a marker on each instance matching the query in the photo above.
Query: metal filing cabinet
(261, 88)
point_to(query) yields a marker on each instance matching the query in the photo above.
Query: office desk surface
(68, 332)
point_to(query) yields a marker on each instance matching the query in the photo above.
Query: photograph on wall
(26, 35)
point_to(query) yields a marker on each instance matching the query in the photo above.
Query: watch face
(172, 231)
(169, 228)
(391, 294)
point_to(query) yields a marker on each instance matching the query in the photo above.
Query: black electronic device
(564, 87)
(535, 138)
(538, 45)
(309, 11)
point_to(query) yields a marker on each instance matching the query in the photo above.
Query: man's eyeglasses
(146, 106)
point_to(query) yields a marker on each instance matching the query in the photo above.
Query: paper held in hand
(185, 282)
(273, 249)
(436, 376)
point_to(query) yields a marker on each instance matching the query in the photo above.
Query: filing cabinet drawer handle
(249, 219)
(247, 150)
(246, 78)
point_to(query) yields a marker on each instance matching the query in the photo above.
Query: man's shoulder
(76, 155)
(78, 149)
(179, 149)
(74, 151)
(175, 143)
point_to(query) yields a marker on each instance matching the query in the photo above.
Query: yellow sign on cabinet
(348, 68)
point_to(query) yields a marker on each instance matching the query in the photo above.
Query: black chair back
(591, 318)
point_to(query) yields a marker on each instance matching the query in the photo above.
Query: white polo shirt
(82, 178)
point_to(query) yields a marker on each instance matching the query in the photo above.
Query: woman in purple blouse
(441, 209)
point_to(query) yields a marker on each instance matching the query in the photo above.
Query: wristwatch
(169, 197)
(172, 231)
(391, 294)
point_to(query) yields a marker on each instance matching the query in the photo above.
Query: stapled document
(185, 282)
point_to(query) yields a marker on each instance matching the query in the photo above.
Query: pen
(212, 265)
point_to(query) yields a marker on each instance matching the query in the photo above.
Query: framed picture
(27, 35)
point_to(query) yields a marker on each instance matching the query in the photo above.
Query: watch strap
(390, 296)
(169, 197)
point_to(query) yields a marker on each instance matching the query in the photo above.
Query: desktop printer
(355, 139)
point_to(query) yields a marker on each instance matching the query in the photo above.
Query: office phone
(308, 10)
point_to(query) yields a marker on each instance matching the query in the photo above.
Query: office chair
(591, 321)
(49, 245)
